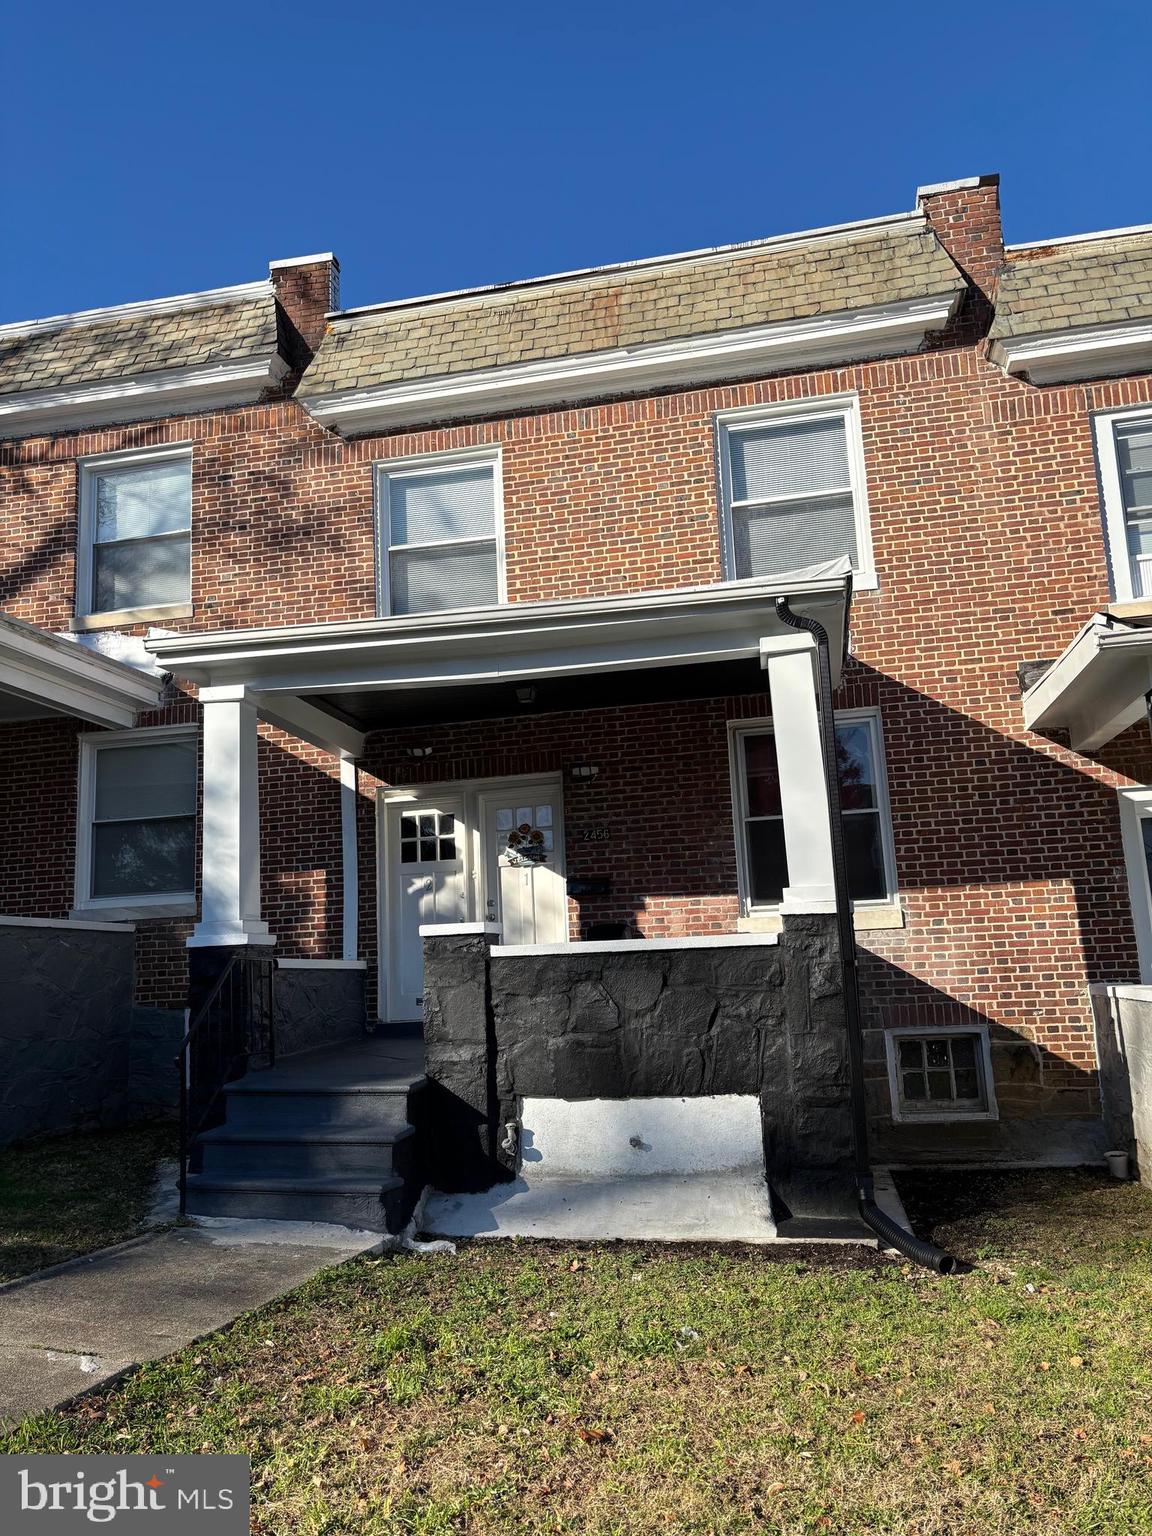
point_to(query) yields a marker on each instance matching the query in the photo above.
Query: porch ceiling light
(419, 752)
(585, 771)
(526, 695)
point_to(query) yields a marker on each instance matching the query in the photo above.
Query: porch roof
(331, 682)
(43, 674)
(1096, 688)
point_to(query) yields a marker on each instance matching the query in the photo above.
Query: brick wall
(987, 535)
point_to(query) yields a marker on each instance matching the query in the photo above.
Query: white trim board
(1064, 356)
(71, 678)
(169, 391)
(640, 946)
(879, 331)
(66, 923)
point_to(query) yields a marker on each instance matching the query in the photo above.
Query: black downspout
(892, 1232)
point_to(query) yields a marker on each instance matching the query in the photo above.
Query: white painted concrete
(638, 1138)
(234, 1231)
(723, 1207)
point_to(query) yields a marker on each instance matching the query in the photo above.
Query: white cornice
(878, 331)
(168, 392)
(1090, 235)
(139, 308)
(1062, 356)
(67, 677)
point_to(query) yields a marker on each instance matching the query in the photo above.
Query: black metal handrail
(231, 1032)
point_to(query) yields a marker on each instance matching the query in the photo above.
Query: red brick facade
(986, 527)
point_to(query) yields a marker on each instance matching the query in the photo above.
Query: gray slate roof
(692, 297)
(1067, 287)
(114, 347)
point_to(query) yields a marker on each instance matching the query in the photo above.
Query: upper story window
(135, 548)
(1124, 451)
(763, 861)
(792, 489)
(440, 534)
(136, 843)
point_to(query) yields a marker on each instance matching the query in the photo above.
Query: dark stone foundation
(641, 1021)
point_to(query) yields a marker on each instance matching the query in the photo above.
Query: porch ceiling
(1096, 688)
(691, 642)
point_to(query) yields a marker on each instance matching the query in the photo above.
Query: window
(1124, 451)
(1136, 832)
(440, 535)
(135, 533)
(792, 489)
(863, 800)
(428, 838)
(137, 830)
(941, 1074)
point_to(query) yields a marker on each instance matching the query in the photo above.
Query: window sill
(135, 912)
(117, 618)
(958, 1117)
(864, 919)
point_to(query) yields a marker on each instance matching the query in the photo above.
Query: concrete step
(333, 1109)
(371, 1203)
(284, 1149)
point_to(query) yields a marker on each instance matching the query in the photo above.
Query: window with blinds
(136, 534)
(793, 493)
(438, 536)
(1134, 469)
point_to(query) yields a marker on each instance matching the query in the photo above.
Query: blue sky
(156, 148)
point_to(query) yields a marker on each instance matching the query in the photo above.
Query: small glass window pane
(910, 1053)
(504, 822)
(427, 826)
(407, 826)
(940, 1085)
(139, 858)
(793, 458)
(1134, 456)
(763, 776)
(447, 823)
(914, 1085)
(963, 1051)
(447, 847)
(546, 836)
(137, 502)
(543, 815)
(864, 856)
(767, 863)
(408, 851)
(967, 1084)
(855, 767)
(442, 504)
(426, 580)
(523, 816)
(153, 780)
(428, 850)
(141, 575)
(787, 536)
(936, 1053)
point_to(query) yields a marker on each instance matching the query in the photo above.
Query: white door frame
(474, 853)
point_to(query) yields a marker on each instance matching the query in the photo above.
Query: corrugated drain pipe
(890, 1231)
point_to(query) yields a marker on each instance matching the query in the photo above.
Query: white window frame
(737, 731)
(904, 1116)
(468, 458)
(1135, 807)
(846, 408)
(148, 904)
(88, 471)
(1104, 424)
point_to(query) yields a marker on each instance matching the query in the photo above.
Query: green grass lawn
(631, 1389)
(71, 1194)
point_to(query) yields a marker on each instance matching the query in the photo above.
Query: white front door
(524, 889)
(426, 846)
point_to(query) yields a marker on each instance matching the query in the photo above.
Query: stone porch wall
(74, 1051)
(640, 1020)
(317, 1005)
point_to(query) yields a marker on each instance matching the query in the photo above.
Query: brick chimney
(307, 288)
(965, 216)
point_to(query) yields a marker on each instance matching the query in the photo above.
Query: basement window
(793, 489)
(136, 843)
(940, 1074)
(440, 534)
(135, 550)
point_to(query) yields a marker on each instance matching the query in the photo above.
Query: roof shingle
(114, 347)
(1102, 282)
(688, 298)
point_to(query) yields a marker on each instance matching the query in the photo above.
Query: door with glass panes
(523, 863)
(427, 875)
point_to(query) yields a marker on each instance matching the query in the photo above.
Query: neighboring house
(478, 612)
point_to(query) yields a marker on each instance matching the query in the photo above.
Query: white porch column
(230, 907)
(790, 662)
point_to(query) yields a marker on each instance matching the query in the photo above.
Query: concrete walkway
(70, 1328)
